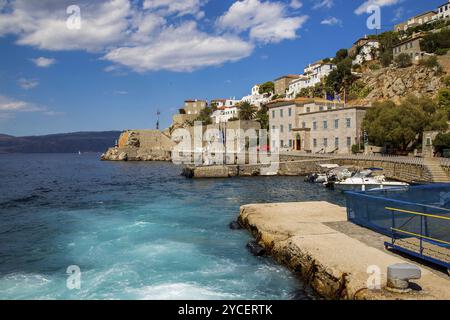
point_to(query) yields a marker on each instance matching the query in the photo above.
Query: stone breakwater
(141, 145)
(292, 166)
(335, 262)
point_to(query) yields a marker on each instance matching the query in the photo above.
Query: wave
(179, 291)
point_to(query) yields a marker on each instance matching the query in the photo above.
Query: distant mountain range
(59, 143)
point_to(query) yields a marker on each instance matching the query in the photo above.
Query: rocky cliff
(141, 145)
(395, 83)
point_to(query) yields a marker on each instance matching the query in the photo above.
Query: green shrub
(375, 66)
(430, 62)
(441, 51)
(446, 81)
(403, 60)
(355, 149)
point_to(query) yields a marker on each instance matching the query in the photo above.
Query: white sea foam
(179, 291)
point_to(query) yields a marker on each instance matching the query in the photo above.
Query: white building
(257, 99)
(314, 73)
(367, 52)
(223, 114)
(227, 103)
(443, 11)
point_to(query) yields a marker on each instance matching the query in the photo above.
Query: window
(315, 143)
(281, 128)
(325, 142)
(290, 143)
(308, 109)
(290, 127)
(281, 143)
(273, 113)
(320, 108)
(349, 141)
(290, 112)
(281, 113)
(336, 124)
(336, 142)
(314, 125)
(428, 141)
(273, 128)
(303, 125)
(325, 124)
(349, 122)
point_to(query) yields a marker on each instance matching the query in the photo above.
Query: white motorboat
(363, 181)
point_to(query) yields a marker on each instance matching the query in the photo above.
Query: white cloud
(28, 84)
(8, 105)
(182, 48)
(296, 4)
(398, 14)
(333, 21)
(176, 7)
(381, 3)
(152, 34)
(43, 24)
(43, 62)
(266, 21)
(323, 4)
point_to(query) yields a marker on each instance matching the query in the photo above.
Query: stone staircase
(438, 175)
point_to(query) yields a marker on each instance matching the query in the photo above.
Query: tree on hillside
(444, 100)
(401, 126)
(441, 142)
(435, 41)
(387, 41)
(246, 111)
(341, 54)
(205, 116)
(341, 78)
(403, 60)
(267, 87)
(262, 116)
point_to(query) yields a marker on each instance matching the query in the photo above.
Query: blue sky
(130, 58)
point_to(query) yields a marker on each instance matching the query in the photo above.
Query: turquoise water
(136, 231)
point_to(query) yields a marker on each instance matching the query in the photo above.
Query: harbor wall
(406, 172)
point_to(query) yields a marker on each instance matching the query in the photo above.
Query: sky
(82, 65)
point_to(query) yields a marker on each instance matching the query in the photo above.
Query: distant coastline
(85, 142)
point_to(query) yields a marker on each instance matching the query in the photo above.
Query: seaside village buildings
(315, 125)
(312, 125)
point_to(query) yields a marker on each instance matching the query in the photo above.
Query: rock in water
(256, 249)
(123, 156)
(234, 225)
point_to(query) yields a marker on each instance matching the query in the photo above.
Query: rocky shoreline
(141, 145)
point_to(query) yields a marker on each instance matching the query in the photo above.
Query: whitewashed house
(367, 52)
(224, 114)
(314, 73)
(255, 98)
(443, 11)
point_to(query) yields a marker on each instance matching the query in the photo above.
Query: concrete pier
(337, 258)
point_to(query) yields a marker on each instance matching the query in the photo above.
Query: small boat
(79, 152)
(321, 177)
(364, 181)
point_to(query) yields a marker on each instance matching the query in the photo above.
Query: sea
(74, 227)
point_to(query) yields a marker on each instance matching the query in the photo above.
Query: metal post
(393, 226)
(421, 235)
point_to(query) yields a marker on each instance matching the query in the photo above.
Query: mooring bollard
(398, 276)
